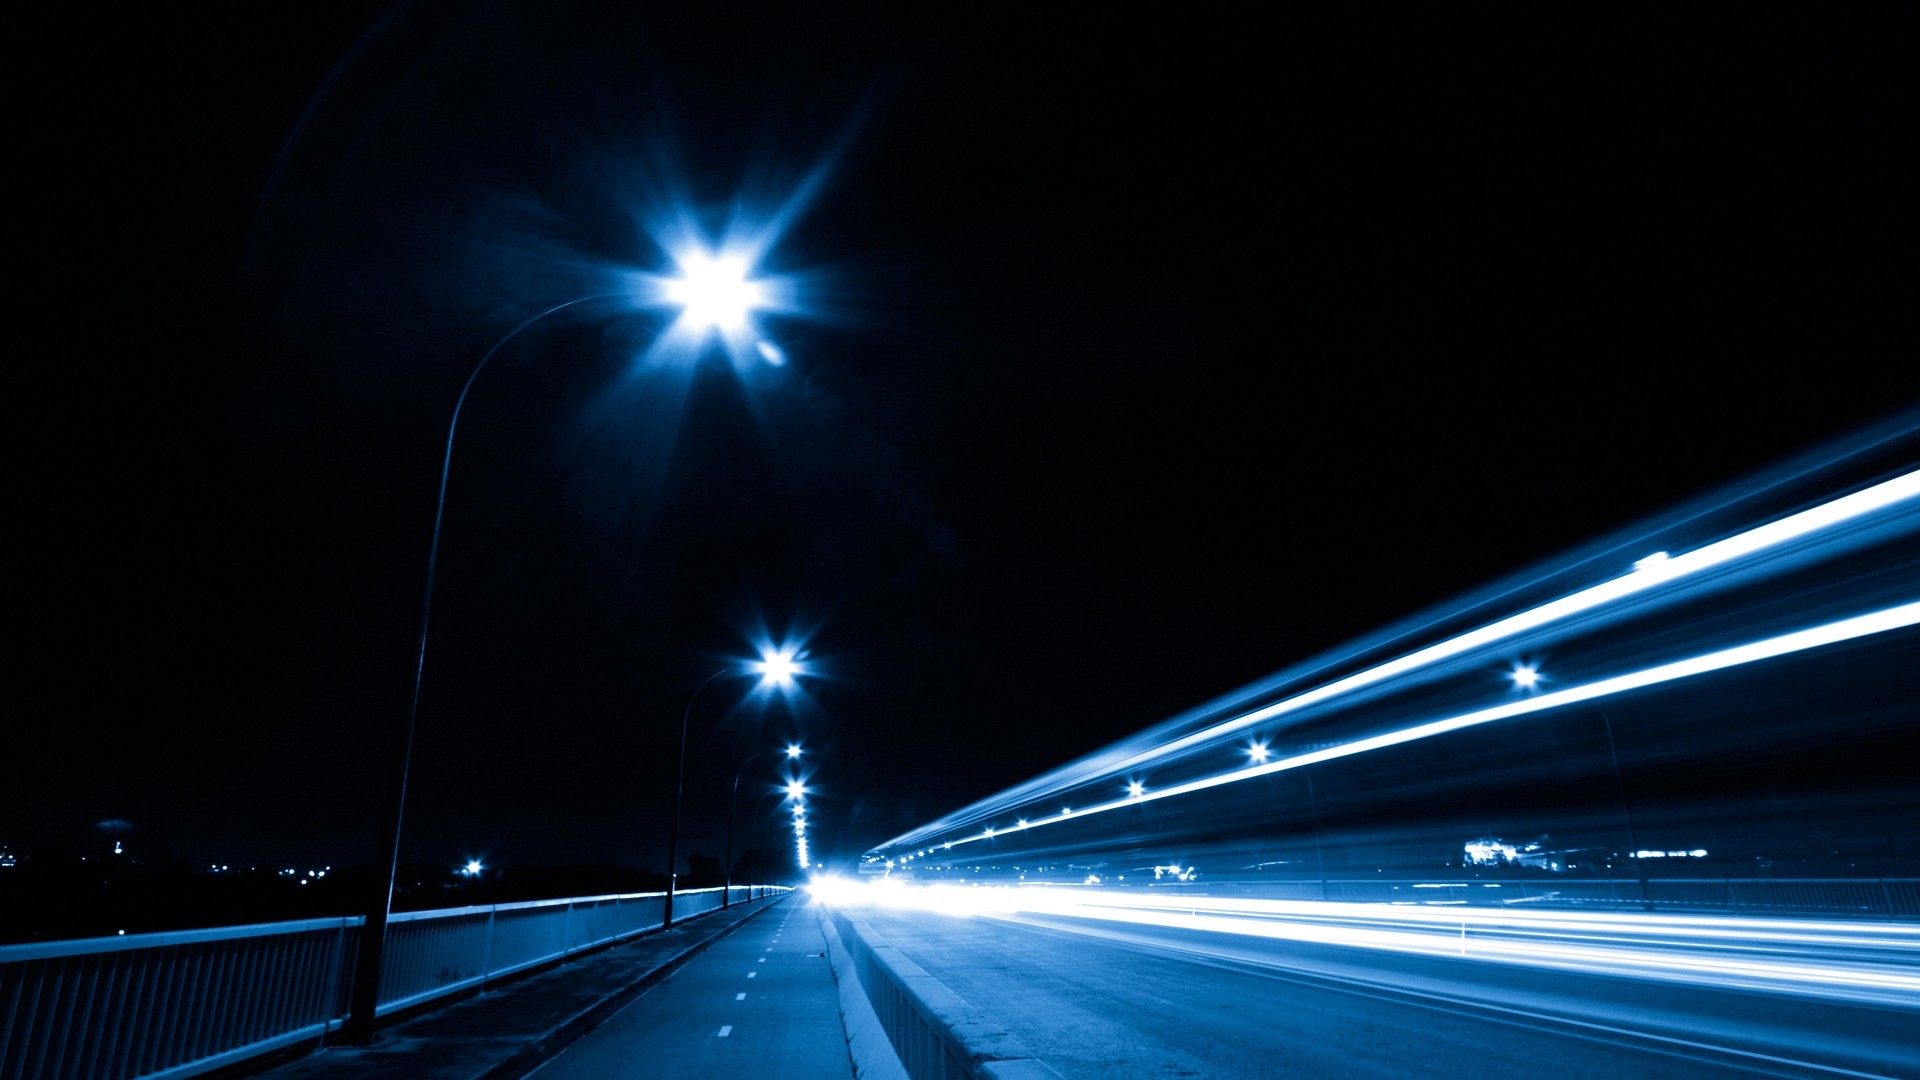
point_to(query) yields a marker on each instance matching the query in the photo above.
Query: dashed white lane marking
(751, 974)
(763, 960)
(739, 997)
(726, 1030)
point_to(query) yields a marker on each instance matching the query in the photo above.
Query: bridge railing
(186, 1002)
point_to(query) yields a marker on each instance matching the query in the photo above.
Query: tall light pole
(753, 836)
(1525, 677)
(775, 669)
(714, 295)
(1257, 753)
(1626, 813)
(733, 803)
(358, 1029)
(1319, 853)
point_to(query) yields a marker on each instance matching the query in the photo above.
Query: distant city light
(1525, 676)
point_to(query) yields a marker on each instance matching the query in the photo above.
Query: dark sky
(1136, 358)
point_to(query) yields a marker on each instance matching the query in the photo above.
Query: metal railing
(183, 1003)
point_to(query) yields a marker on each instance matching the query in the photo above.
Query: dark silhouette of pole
(1626, 812)
(753, 838)
(1319, 853)
(358, 1029)
(732, 811)
(679, 789)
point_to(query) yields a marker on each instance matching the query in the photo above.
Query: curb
(933, 1030)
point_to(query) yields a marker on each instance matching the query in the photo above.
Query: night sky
(1134, 359)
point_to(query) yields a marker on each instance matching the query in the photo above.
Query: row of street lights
(733, 804)
(777, 670)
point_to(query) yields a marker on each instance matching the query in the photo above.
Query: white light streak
(1892, 618)
(1844, 960)
(1647, 574)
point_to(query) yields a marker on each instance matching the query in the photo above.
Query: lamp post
(1257, 753)
(776, 669)
(1319, 853)
(713, 294)
(733, 803)
(1626, 813)
(1525, 677)
(358, 1029)
(753, 838)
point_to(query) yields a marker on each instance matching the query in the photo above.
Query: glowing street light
(786, 668)
(714, 291)
(776, 669)
(358, 1029)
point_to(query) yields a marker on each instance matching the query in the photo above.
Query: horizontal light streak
(1647, 574)
(1893, 618)
(1873, 963)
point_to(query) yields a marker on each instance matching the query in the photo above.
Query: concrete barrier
(935, 1033)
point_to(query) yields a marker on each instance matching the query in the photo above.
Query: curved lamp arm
(366, 989)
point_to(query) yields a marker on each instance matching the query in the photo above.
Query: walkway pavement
(760, 1003)
(507, 1032)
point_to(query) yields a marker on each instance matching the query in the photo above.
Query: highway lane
(760, 1002)
(1094, 998)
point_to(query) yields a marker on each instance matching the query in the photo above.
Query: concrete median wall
(935, 1033)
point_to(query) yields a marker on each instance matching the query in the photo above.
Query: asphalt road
(760, 1002)
(1095, 1000)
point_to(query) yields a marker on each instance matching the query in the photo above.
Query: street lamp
(1258, 752)
(358, 1029)
(1526, 677)
(775, 668)
(713, 294)
(797, 792)
(726, 897)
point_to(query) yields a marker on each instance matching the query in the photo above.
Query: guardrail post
(486, 945)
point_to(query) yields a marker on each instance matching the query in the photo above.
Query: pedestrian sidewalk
(504, 1033)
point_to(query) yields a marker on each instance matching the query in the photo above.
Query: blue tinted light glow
(1887, 619)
